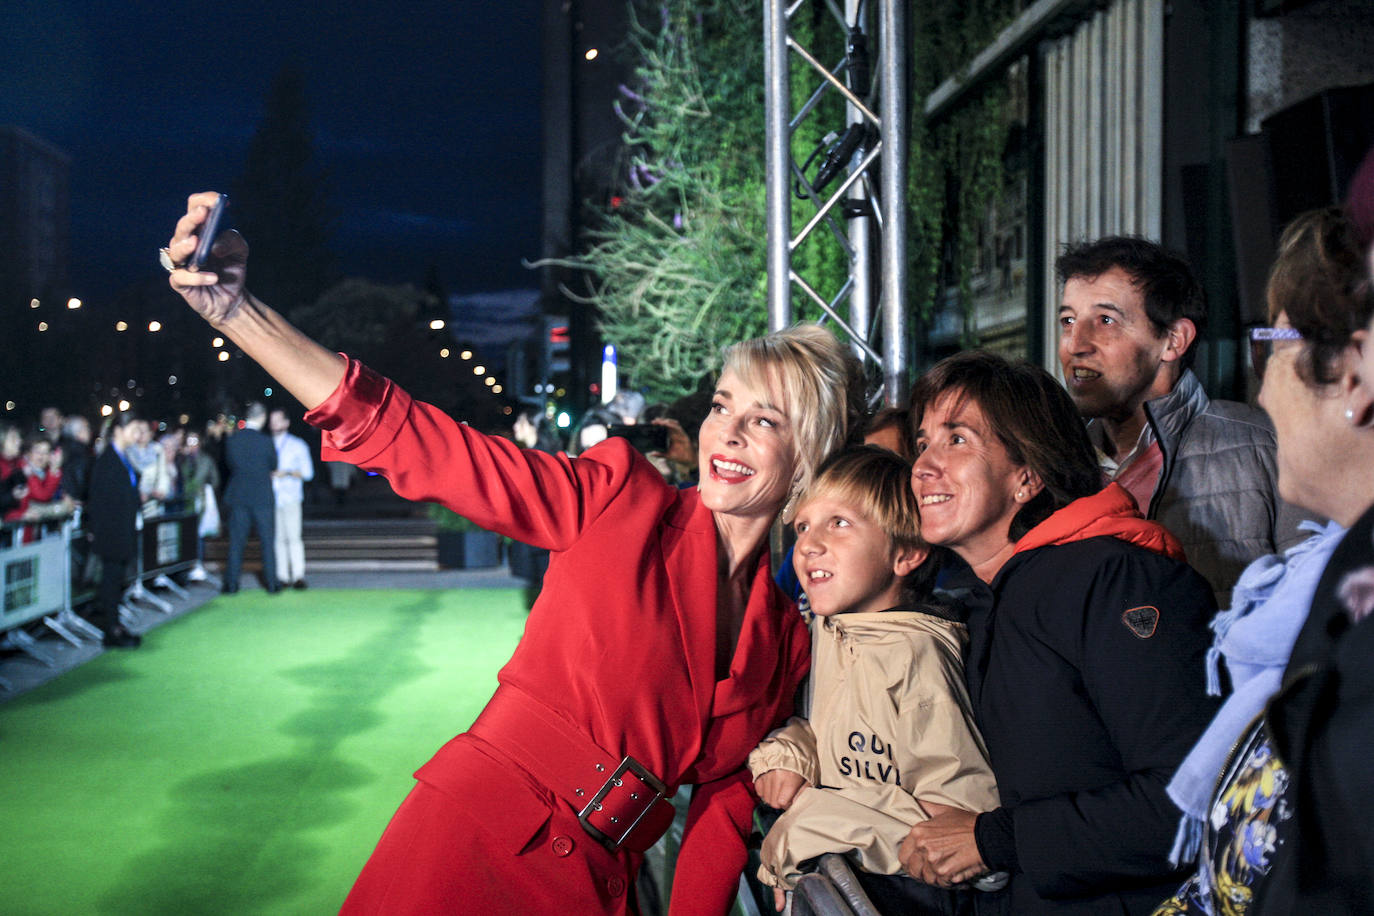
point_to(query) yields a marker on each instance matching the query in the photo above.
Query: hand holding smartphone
(209, 231)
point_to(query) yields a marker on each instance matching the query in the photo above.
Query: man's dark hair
(1163, 277)
(1030, 414)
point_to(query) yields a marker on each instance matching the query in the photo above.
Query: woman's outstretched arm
(217, 292)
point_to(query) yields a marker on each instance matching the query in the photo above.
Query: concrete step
(402, 544)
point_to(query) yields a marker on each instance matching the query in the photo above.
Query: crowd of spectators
(46, 466)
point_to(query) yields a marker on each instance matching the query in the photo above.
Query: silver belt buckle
(628, 765)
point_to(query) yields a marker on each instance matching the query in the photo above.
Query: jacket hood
(1110, 513)
(897, 621)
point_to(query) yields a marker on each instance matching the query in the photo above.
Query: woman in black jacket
(1086, 636)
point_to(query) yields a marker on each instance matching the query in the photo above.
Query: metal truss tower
(865, 212)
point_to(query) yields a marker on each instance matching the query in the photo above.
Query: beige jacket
(889, 723)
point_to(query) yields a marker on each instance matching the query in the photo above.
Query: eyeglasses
(1262, 345)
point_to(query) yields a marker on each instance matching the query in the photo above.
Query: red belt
(619, 802)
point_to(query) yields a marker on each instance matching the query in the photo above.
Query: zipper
(1166, 469)
(1227, 772)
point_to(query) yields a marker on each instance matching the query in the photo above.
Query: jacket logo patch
(1142, 621)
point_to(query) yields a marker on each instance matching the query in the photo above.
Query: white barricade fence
(35, 575)
(43, 566)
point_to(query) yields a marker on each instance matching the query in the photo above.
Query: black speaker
(1253, 224)
(1316, 145)
(1303, 158)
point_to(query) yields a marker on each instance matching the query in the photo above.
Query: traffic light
(556, 346)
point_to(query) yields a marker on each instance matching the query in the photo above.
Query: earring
(1019, 494)
(1350, 416)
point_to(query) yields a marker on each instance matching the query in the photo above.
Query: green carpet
(246, 758)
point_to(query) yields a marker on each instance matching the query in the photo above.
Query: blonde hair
(877, 483)
(821, 384)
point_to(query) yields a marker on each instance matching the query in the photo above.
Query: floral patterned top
(1242, 832)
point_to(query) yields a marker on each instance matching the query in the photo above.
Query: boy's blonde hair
(877, 482)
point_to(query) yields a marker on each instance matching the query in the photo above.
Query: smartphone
(209, 231)
(648, 437)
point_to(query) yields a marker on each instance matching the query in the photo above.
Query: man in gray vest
(1130, 314)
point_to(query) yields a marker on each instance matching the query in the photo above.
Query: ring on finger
(164, 257)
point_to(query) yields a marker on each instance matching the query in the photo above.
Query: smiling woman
(1084, 631)
(658, 653)
(1287, 758)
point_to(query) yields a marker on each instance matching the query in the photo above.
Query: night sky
(425, 116)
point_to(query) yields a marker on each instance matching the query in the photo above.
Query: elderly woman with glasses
(1277, 794)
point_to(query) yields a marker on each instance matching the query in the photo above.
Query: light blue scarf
(1255, 637)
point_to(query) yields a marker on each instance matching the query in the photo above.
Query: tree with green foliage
(677, 269)
(956, 165)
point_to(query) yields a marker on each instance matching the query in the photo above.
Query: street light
(608, 374)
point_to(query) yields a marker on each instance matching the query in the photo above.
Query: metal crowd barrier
(35, 582)
(43, 575)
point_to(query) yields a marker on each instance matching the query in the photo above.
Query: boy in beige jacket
(888, 738)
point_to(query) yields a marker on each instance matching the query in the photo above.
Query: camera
(645, 438)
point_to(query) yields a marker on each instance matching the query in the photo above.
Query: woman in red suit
(658, 653)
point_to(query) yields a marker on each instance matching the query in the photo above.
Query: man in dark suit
(111, 524)
(248, 498)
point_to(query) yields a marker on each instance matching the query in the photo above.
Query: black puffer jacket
(1083, 669)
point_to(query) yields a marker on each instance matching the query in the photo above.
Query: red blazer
(621, 640)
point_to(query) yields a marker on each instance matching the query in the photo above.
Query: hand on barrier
(942, 851)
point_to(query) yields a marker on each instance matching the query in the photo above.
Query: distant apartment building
(35, 219)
